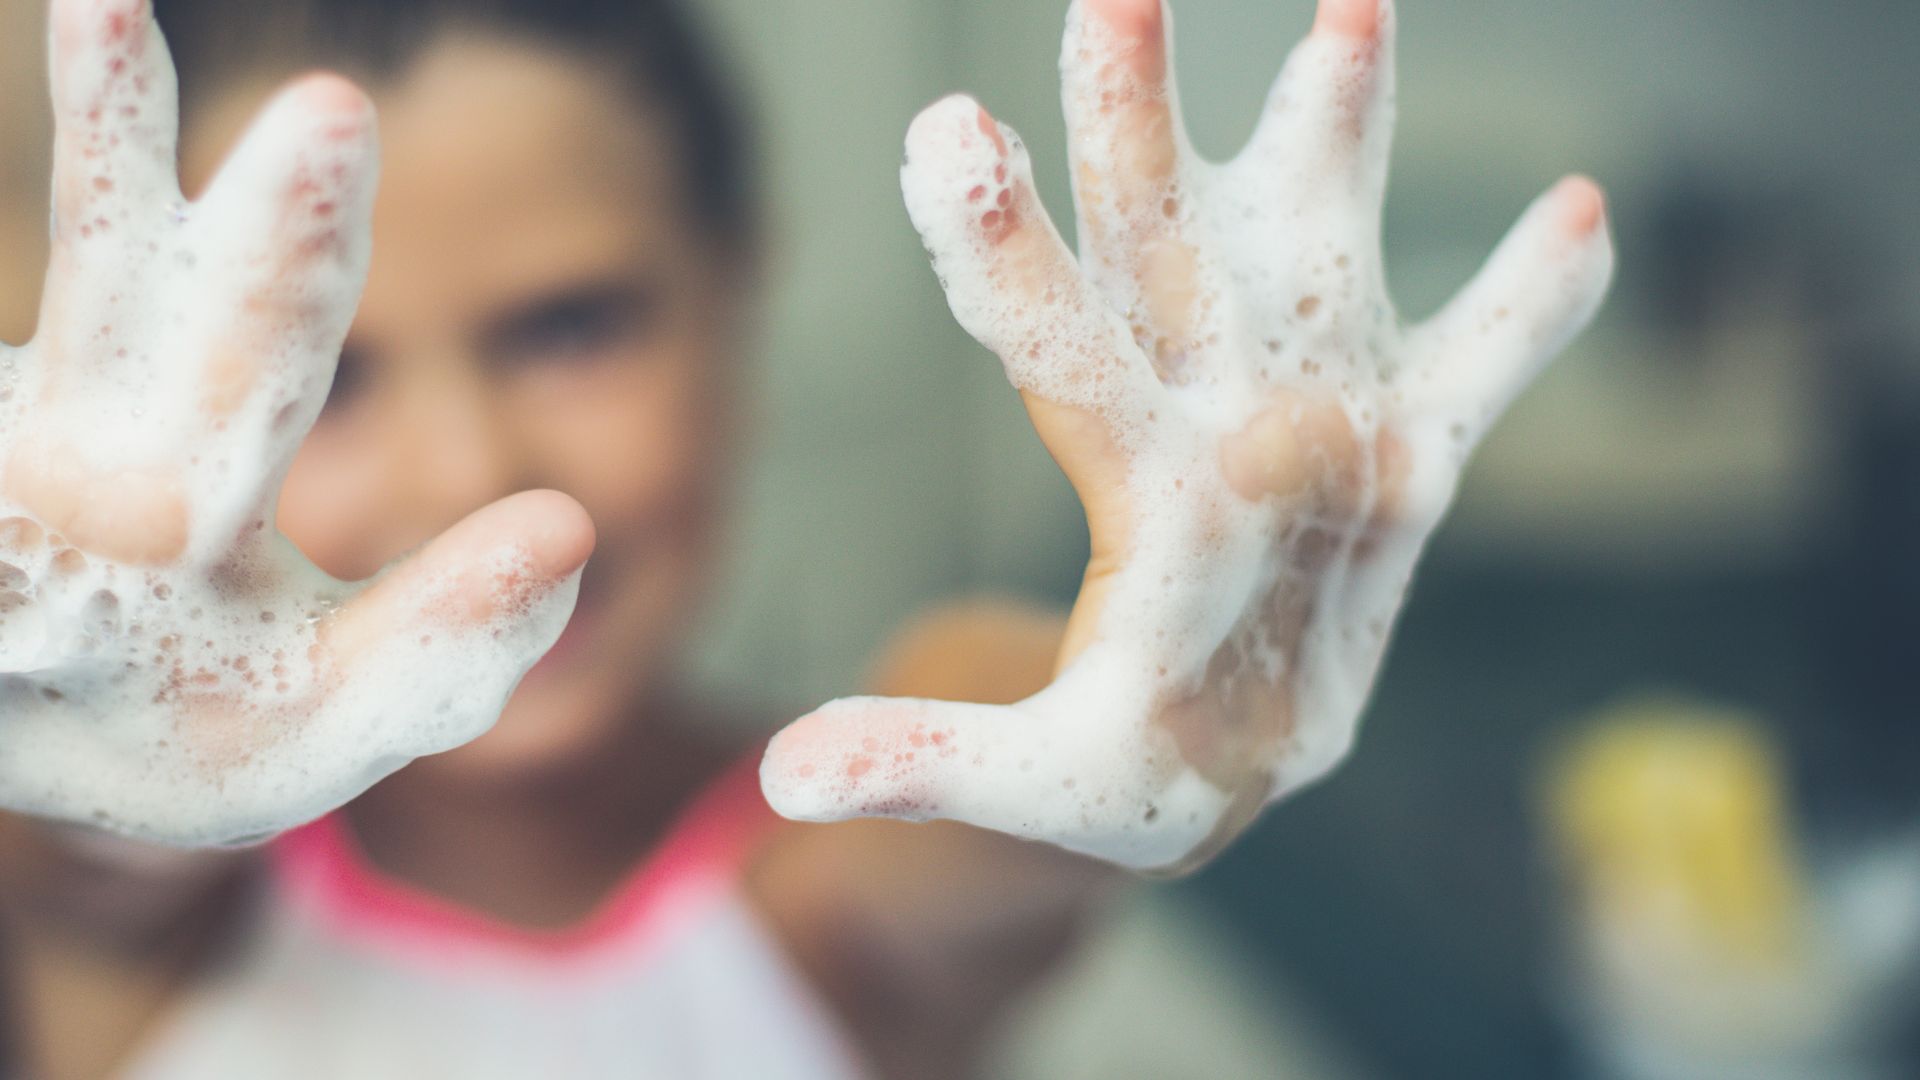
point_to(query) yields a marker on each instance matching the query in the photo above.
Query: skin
(206, 400)
(543, 312)
(1261, 447)
(587, 339)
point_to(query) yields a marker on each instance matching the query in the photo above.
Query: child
(565, 256)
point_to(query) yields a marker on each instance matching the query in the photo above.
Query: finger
(115, 130)
(1026, 770)
(289, 221)
(1541, 287)
(491, 567)
(1008, 277)
(115, 115)
(1359, 19)
(1123, 125)
(1330, 114)
(1126, 146)
(911, 759)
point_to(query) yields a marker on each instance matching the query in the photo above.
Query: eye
(581, 326)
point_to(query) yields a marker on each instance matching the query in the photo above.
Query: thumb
(904, 758)
(494, 565)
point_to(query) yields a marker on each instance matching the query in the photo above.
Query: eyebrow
(623, 295)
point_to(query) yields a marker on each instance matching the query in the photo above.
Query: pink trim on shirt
(323, 871)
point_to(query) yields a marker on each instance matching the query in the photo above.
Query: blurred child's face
(543, 311)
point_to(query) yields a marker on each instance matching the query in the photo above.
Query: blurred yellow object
(1672, 817)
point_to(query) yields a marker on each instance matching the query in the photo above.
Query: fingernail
(1349, 18)
(1583, 205)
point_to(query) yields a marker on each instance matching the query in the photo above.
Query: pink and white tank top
(352, 974)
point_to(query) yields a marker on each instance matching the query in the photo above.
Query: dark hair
(653, 45)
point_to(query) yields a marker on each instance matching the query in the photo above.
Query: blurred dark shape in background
(1868, 628)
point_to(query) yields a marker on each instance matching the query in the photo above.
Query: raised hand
(170, 666)
(1261, 448)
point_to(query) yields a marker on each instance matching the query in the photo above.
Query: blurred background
(1706, 518)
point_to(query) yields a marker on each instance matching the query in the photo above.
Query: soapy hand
(170, 666)
(1261, 447)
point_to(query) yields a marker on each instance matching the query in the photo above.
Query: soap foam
(1239, 641)
(182, 687)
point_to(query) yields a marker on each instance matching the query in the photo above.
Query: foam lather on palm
(1261, 447)
(170, 666)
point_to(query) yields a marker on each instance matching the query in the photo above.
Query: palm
(169, 665)
(1262, 449)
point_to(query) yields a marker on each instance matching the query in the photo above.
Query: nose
(458, 451)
